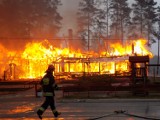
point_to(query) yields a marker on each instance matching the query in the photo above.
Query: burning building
(34, 59)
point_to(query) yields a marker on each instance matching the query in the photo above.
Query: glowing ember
(33, 61)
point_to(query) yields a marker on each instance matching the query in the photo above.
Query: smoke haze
(68, 11)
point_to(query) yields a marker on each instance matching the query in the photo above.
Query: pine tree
(144, 17)
(120, 17)
(90, 21)
(107, 10)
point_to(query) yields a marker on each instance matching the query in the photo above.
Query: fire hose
(106, 115)
(124, 113)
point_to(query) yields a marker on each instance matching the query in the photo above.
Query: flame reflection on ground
(69, 118)
(20, 109)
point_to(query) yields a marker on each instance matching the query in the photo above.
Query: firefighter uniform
(48, 86)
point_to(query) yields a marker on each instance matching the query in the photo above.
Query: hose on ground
(124, 113)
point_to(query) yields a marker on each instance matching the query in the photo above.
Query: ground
(23, 106)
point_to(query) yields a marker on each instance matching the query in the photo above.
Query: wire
(106, 115)
(147, 118)
(123, 112)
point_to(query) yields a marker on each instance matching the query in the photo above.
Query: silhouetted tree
(144, 17)
(107, 10)
(120, 18)
(90, 20)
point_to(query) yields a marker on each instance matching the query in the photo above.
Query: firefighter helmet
(51, 68)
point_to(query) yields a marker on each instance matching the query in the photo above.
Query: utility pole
(107, 18)
(141, 23)
(88, 31)
(99, 35)
(158, 43)
(107, 25)
(158, 36)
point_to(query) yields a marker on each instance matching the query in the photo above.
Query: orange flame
(33, 61)
(137, 47)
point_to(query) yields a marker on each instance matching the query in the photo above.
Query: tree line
(119, 19)
(97, 19)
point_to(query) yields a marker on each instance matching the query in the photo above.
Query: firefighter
(48, 85)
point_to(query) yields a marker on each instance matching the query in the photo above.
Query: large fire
(34, 59)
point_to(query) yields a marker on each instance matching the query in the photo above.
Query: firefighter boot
(39, 113)
(56, 113)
